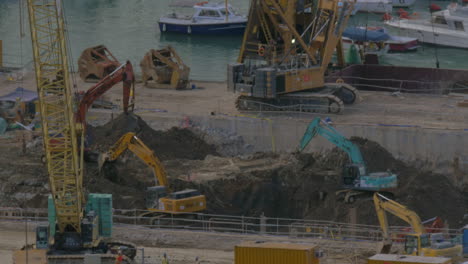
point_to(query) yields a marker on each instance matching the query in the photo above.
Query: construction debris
(164, 69)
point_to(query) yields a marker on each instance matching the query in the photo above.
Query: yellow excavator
(419, 243)
(159, 198)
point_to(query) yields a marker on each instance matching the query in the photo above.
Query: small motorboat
(377, 40)
(446, 28)
(208, 18)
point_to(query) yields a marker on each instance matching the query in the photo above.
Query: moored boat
(208, 18)
(447, 28)
(377, 40)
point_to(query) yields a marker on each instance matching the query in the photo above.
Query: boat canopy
(365, 35)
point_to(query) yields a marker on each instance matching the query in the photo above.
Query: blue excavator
(357, 181)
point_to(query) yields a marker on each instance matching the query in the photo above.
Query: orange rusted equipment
(164, 69)
(124, 73)
(95, 63)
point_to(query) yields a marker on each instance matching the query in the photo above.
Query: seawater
(129, 29)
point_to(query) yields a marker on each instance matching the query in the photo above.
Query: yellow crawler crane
(420, 243)
(285, 53)
(77, 234)
(159, 198)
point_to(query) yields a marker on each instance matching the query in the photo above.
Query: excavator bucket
(164, 69)
(384, 247)
(95, 63)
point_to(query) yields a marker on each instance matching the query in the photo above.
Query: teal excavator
(356, 179)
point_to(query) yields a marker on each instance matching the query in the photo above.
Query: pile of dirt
(290, 185)
(175, 143)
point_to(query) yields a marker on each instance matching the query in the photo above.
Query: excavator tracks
(128, 249)
(331, 99)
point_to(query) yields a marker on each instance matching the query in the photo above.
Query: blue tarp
(23, 94)
(365, 35)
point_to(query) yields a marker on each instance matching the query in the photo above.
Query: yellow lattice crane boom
(62, 152)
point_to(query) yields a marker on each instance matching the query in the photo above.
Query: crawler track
(331, 99)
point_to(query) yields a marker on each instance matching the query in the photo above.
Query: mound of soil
(175, 143)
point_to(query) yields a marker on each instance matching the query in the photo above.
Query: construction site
(297, 158)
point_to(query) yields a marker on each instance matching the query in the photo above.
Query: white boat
(448, 27)
(207, 18)
(377, 40)
(373, 6)
(403, 3)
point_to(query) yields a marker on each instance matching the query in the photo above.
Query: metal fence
(291, 228)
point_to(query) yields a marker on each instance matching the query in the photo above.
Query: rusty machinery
(95, 63)
(164, 69)
(285, 53)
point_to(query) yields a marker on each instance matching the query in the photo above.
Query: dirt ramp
(175, 143)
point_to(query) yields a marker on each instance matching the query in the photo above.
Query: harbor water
(129, 29)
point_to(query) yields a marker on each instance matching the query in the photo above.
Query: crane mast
(62, 152)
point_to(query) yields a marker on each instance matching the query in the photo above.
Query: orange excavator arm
(124, 74)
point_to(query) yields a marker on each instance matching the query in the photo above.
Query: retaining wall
(443, 151)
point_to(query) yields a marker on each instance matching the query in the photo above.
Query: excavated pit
(277, 185)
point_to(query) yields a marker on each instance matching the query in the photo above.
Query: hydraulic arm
(131, 142)
(317, 126)
(159, 198)
(418, 243)
(355, 175)
(124, 73)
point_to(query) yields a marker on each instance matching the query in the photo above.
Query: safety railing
(292, 228)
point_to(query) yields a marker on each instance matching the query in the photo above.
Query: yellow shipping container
(274, 253)
(403, 259)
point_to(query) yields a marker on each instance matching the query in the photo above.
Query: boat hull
(436, 36)
(204, 29)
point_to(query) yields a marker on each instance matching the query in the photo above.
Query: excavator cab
(42, 237)
(153, 194)
(414, 243)
(351, 175)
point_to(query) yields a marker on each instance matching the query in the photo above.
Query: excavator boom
(420, 242)
(124, 73)
(131, 142)
(159, 198)
(383, 205)
(317, 126)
